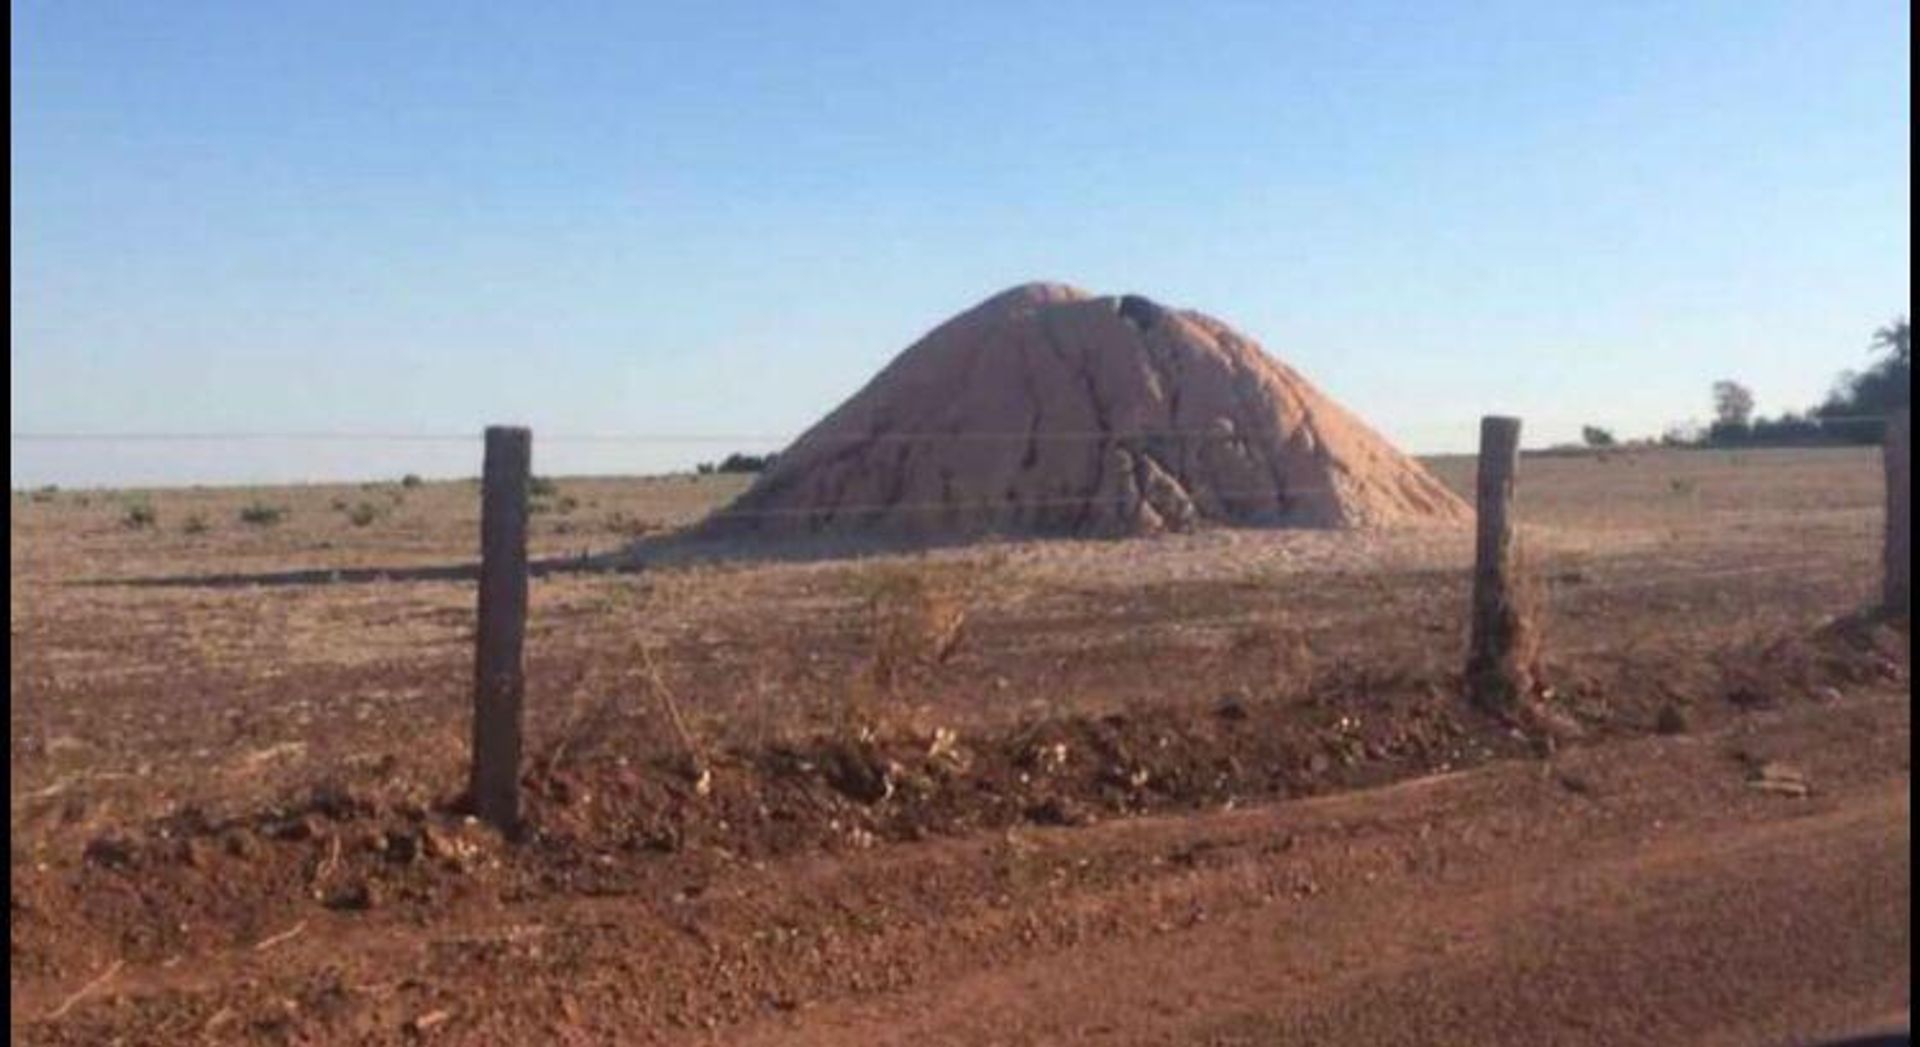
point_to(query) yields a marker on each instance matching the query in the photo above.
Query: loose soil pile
(1045, 410)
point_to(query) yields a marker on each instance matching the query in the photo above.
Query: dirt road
(1645, 890)
(1644, 894)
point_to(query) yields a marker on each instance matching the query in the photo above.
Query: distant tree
(1596, 436)
(1896, 337)
(745, 463)
(1790, 429)
(1681, 434)
(1732, 404)
(1860, 400)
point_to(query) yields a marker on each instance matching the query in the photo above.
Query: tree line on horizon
(1854, 411)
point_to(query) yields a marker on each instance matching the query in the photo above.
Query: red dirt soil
(1009, 889)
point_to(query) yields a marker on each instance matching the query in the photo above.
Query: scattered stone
(426, 1023)
(1775, 777)
(1046, 757)
(448, 845)
(944, 745)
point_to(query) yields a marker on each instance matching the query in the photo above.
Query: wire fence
(1251, 599)
(1246, 503)
(663, 437)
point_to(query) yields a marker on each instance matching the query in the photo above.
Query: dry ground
(199, 769)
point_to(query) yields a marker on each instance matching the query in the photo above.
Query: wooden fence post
(499, 685)
(1498, 656)
(1896, 591)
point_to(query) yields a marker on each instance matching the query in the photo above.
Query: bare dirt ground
(1137, 791)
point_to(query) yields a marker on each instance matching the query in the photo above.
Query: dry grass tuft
(917, 617)
(1280, 652)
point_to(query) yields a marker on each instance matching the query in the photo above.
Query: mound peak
(1048, 410)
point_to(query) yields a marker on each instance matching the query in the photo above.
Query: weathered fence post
(499, 685)
(1896, 592)
(1498, 659)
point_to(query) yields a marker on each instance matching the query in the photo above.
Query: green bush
(411, 480)
(195, 524)
(140, 516)
(363, 514)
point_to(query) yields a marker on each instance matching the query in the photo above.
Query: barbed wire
(1005, 506)
(961, 435)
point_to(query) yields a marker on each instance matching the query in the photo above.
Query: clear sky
(714, 218)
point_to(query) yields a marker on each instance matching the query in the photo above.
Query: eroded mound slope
(1045, 410)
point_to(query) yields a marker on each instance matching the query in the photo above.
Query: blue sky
(713, 218)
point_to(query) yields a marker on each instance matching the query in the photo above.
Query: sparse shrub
(542, 487)
(620, 522)
(1281, 653)
(140, 516)
(745, 463)
(363, 514)
(260, 514)
(339, 505)
(46, 494)
(917, 617)
(195, 524)
(411, 480)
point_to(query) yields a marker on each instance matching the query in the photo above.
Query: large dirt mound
(1046, 410)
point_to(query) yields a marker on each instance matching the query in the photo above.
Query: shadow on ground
(604, 564)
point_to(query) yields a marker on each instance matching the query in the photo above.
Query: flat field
(824, 800)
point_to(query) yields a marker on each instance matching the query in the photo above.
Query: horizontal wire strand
(976, 505)
(957, 436)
